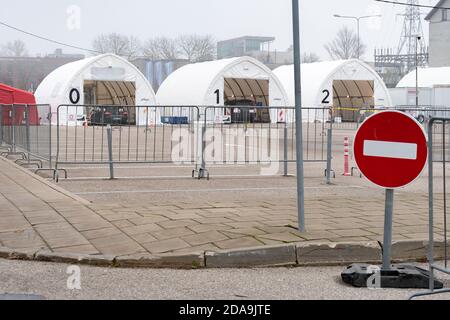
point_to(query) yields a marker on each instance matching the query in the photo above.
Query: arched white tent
(428, 78)
(434, 88)
(342, 84)
(236, 81)
(104, 80)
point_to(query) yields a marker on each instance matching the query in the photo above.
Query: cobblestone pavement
(35, 214)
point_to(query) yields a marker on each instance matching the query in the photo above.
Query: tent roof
(314, 75)
(428, 77)
(190, 84)
(19, 96)
(60, 79)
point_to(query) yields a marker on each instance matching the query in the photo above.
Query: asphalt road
(50, 281)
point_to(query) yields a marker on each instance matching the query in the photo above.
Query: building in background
(27, 73)
(439, 20)
(156, 71)
(255, 47)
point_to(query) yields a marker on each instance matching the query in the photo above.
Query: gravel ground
(50, 281)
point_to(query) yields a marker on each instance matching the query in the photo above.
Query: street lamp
(358, 19)
(418, 38)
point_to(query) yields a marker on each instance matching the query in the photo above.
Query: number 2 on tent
(327, 95)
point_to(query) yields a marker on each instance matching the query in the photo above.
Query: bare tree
(345, 45)
(15, 48)
(197, 48)
(310, 57)
(161, 48)
(121, 45)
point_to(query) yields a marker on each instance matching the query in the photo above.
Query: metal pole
(417, 73)
(387, 243)
(110, 151)
(203, 144)
(285, 150)
(298, 117)
(13, 126)
(50, 136)
(444, 178)
(359, 43)
(27, 131)
(329, 154)
(1, 125)
(431, 203)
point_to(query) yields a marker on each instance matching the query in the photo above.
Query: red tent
(10, 95)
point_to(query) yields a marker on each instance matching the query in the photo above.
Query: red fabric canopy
(10, 95)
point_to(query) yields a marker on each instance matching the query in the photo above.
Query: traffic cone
(347, 172)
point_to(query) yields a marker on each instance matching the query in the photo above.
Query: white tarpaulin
(428, 78)
(210, 83)
(318, 79)
(56, 88)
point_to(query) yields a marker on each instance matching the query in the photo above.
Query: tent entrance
(247, 92)
(111, 93)
(351, 95)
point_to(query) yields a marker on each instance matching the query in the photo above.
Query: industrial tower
(393, 64)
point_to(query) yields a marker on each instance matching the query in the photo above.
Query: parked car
(421, 114)
(108, 115)
(247, 111)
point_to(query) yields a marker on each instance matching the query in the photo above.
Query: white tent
(221, 83)
(105, 80)
(428, 78)
(343, 84)
(434, 88)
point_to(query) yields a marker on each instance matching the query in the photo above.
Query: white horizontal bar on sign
(387, 149)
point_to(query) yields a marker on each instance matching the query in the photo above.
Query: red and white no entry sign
(390, 149)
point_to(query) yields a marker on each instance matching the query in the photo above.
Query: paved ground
(35, 215)
(50, 281)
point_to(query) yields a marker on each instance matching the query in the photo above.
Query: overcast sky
(223, 19)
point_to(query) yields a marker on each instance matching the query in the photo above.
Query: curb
(331, 254)
(288, 255)
(49, 184)
(269, 256)
(416, 250)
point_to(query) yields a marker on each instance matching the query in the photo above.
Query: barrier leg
(285, 151)
(110, 152)
(329, 155)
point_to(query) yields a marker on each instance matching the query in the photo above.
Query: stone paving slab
(39, 220)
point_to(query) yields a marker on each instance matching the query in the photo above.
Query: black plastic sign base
(400, 277)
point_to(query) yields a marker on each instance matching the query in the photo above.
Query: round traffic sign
(390, 149)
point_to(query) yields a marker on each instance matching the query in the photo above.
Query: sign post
(298, 118)
(390, 150)
(387, 242)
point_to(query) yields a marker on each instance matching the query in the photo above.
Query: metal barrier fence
(200, 136)
(351, 118)
(26, 131)
(139, 135)
(262, 135)
(438, 159)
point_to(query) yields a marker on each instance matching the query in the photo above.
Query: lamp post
(358, 20)
(418, 38)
